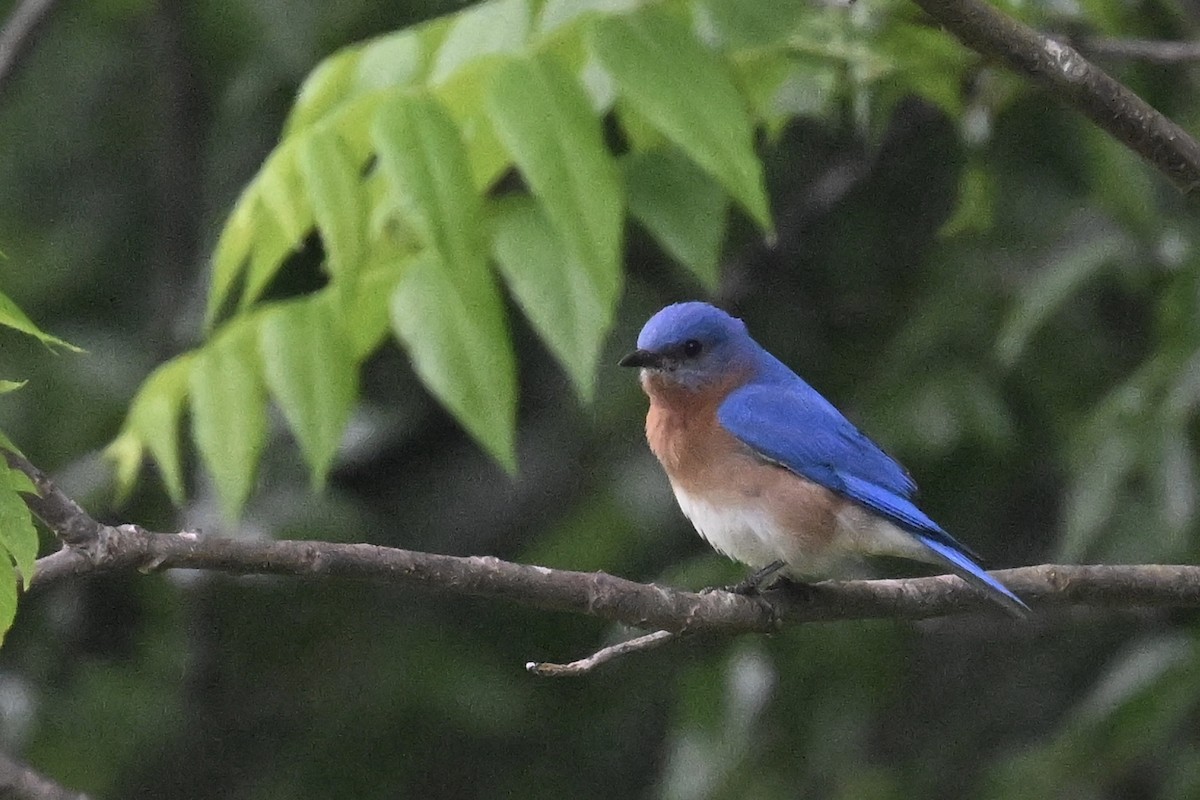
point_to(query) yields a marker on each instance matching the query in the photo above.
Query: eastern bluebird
(767, 470)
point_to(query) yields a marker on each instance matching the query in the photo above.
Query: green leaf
(446, 308)
(233, 247)
(310, 369)
(681, 206)
(17, 534)
(476, 41)
(22, 482)
(10, 386)
(338, 202)
(1094, 493)
(429, 181)
(271, 248)
(391, 61)
(557, 14)
(780, 88)
(125, 452)
(687, 93)
(282, 192)
(754, 24)
(229, 419)
(8, 596)
(544, 119)
(1084, 252)
(569, 303)
(11, 316)
(501, 26)
(323, 90)
(7, 444)
(929, 64)
(637, 131)
(271, 220)
(153, 424)
(460, 348)
(1120, 182)
(463, 96)
(366, 316)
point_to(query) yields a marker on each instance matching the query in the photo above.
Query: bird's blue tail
(972, 573)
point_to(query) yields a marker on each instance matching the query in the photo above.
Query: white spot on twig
(1067, 59)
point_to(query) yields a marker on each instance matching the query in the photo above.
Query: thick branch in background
(18, 34)
(1154, 51)
(1060, 68)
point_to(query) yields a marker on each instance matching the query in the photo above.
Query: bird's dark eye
(691, 348)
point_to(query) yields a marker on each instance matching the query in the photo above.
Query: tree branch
(18, 34)
(1155, 51)
(601, 595)
(597, 594)
(1069, 76)
(583, 666)
(96, 548)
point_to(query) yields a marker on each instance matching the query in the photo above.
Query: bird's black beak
(641, 358)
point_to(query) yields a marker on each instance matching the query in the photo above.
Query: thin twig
(583, 666)
(1069, 76)
(19, 32)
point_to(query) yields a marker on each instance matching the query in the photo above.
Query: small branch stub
(583, 666)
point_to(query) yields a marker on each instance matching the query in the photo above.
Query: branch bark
(1070, 77)
(92, 547)
(583, 666)
(1154, 51)
(609, 597)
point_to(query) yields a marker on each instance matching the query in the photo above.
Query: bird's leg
(750, 586)
(754, 581)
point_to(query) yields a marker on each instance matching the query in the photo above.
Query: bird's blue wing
(795, 426)
(792, 425)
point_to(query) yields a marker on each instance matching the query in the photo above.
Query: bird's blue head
(693, 345)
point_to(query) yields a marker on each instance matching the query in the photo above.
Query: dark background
(1002, 296)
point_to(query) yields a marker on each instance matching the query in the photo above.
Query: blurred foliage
(393, 153)
(1000, 294)
(18, 538)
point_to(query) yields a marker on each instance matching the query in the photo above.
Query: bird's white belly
(749, 533)
(743, 532)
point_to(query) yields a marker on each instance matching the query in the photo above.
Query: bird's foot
(757, 580)
(752, 585)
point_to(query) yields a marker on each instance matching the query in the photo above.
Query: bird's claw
(752, 587)
(755, 581)
(752, 584)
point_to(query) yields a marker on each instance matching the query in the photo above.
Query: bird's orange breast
(682, 426)
(710, 468)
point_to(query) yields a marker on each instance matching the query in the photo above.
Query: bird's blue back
(778, 415)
